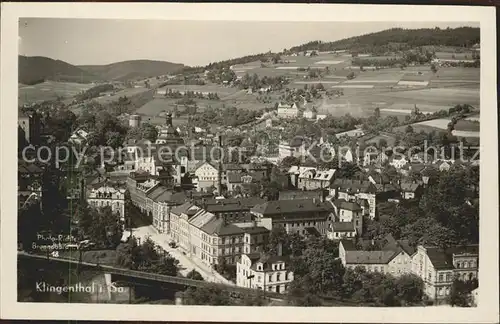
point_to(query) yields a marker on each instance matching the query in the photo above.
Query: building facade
(438, 268)
(264, 272)
(108, 196)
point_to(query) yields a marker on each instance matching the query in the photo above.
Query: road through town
(186, 263)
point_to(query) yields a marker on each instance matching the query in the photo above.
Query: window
(466, 264)
(286, 275)
(459, 265)
(278, 275)
(270, 278)
(440, 278)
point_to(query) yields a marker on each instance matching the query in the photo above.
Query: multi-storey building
(264, 272)
(233, 210)
(208, 175)
(395, 257)
(295, 216)
(108, 196)
(355, 190)
(313, 179)
(179, 224)
(288, 110)
(439, 267)
(30, 123)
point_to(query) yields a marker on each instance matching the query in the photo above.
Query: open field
(467, 126)
(456, 56)
(435, 96)
(220, 90)
(49, 90)
(439, 125)
(129, 92)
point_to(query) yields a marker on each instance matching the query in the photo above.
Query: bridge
(155, 277)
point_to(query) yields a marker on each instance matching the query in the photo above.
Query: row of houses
(437, 267)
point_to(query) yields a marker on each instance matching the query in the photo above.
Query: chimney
(279, 249)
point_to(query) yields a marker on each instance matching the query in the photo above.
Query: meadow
(49, 90)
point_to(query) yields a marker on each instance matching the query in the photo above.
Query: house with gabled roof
(312, 179)
(355, 190)
(410, 190)
(395, 257)
(295, 215)
(264, 272)
(439, 267)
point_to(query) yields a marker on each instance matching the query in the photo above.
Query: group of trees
(94, 92)
(216, 296)
(398, 38)
(144, 131)
(230, 116)
(104, 129)
(254, 82)
(175, 94)
(444, 216)
(99, 225)
(319, 276)
(146, 256)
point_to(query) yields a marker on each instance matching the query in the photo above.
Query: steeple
(168, 119)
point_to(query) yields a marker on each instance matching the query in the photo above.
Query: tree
(101, 225)
(149, 132)
(211, 295)
(460, 294)
(410, 289)
(193, 274)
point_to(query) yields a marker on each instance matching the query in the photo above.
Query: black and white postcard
(315, 162)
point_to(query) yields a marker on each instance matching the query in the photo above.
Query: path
(186, 264)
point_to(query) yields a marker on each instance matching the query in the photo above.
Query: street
(186, 264)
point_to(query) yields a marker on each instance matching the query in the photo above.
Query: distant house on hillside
(288, 110)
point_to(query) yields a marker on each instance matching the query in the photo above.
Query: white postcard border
(487, 311)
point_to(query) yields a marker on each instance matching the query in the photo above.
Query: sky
(99, 41)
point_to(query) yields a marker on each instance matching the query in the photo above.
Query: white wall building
(269, 273)
(108, 196)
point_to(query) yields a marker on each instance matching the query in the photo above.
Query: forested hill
(399, 37)
(37, 69)
(132, 70)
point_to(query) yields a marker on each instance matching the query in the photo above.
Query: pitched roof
(343, 226)
(268, 261)
(255, 230)
(409, 186)
(219, 227)
(184, 208)
(291, 207)
(353, 185)
(369, 257)
(443, 259)
(349, 205)
(348, 245)
(300, 194)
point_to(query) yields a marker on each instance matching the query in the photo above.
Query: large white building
(288, 110)
(264, 272)
(108, 196)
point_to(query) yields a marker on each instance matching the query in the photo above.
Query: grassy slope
(128, 70)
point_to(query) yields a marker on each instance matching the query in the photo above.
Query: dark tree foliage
(193, 274)
(94, 92)
(398, 39)
(146, 257)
